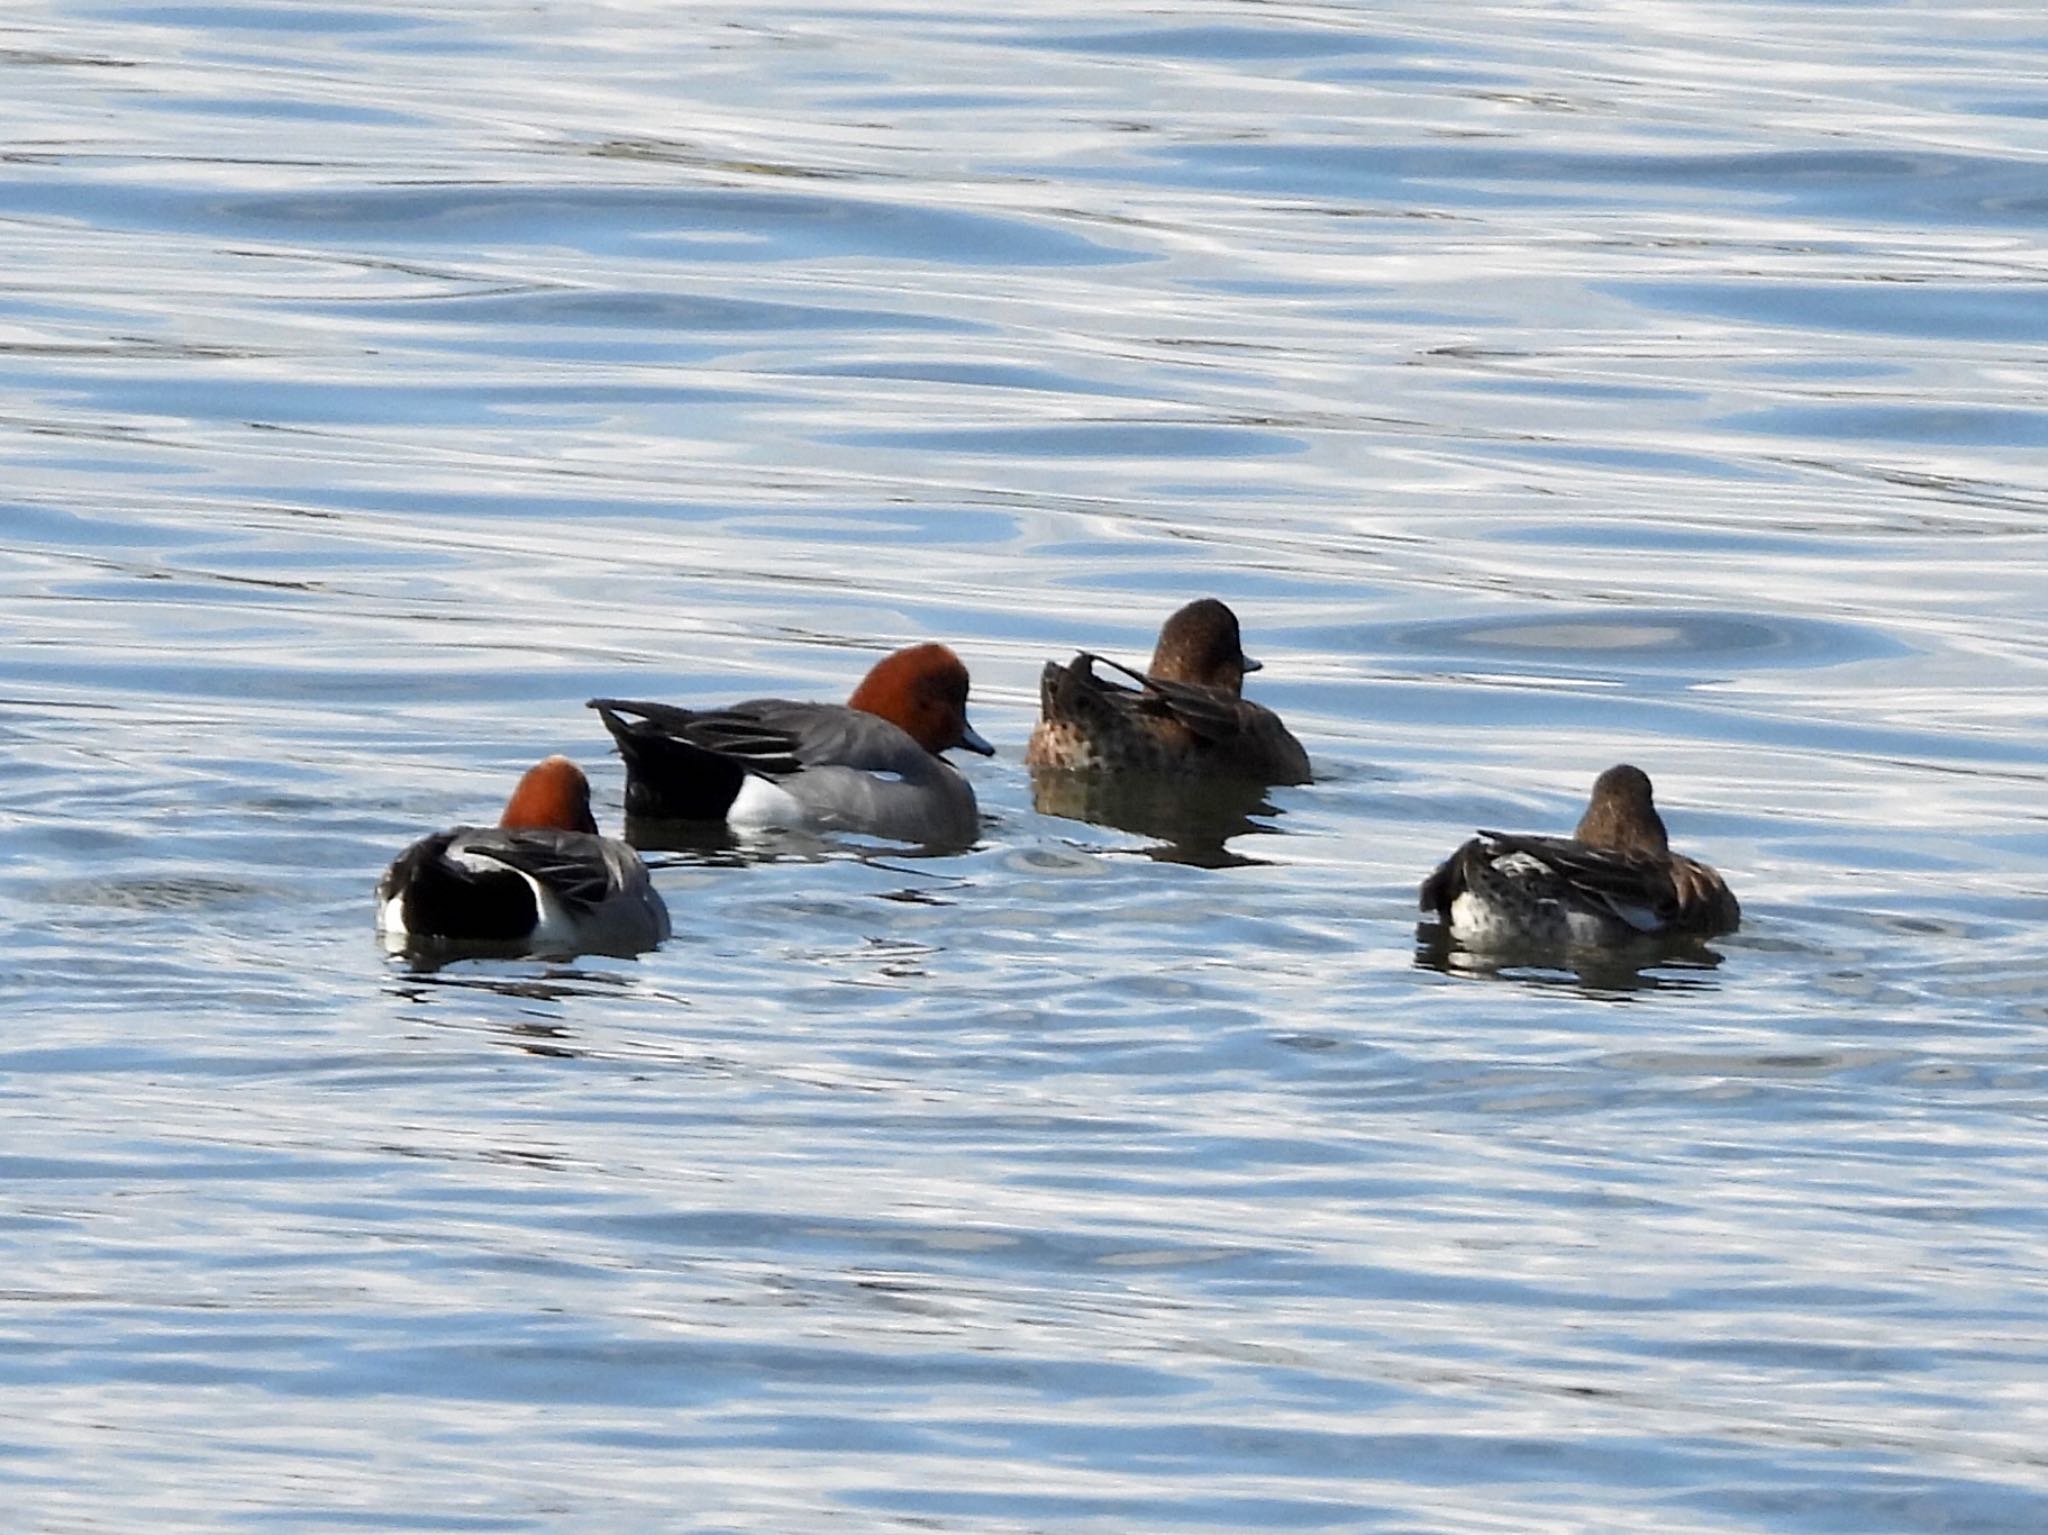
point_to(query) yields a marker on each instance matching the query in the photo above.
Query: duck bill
(972, 740)
(1247, 664)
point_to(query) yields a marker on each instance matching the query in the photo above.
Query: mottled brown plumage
(1186, 716)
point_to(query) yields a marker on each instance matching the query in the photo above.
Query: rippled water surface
(1546, 386)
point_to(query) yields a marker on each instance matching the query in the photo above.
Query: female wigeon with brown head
(1186, 716)
(870, 765)
(541, 881)
(1614, 879)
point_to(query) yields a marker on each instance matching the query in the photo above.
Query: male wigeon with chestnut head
(869, 765)
(1614, 879)
(541, 881)
(1187, 716)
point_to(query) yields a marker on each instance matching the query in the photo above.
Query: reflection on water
(1652, 963)
(1188, 820)
(716, 845)
(1557, 386)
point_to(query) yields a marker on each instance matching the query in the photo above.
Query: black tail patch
(668, 778)
(445, 900)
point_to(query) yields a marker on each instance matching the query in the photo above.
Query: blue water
(1545, 387)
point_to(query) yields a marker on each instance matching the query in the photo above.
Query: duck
(541, 881)
(1187, 716)
(871, 765)
(1613, 880)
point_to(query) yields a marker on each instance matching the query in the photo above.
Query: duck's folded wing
(1635, 888)
(1081, 671)
(745, 736)
(834, 736)
(572, 866)
(1071, 690)
(1214, 715)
